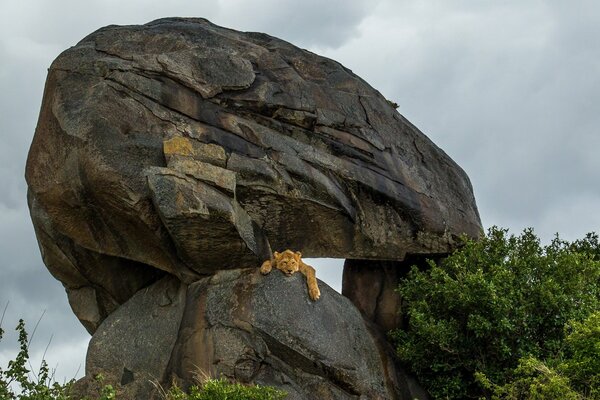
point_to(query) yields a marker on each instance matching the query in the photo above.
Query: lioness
(290, 262)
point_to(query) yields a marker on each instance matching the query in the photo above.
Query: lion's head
(287, 262)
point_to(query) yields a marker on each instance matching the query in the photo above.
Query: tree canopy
(495, 305)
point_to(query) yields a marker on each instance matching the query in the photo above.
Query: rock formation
(171, 156)
(234, 322)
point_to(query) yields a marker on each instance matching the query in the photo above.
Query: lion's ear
(298, 255)
(276, 255)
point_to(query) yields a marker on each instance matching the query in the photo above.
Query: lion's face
(287, 262)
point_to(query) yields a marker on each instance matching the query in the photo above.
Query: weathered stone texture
(248, 327)
(179, 149)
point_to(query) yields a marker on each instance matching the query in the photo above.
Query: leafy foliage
(221, 389)
(492, 303)
(106, 391)
(533, 379)
(40, 386)
(582, 356)
(576, 375)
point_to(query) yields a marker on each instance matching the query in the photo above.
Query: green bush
(575, 375)
(220, 389)
(581, 362)
(532, 380)
(40, 386)
(492, 303)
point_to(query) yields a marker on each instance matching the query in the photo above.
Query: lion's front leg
(311, 280)
(266, 267)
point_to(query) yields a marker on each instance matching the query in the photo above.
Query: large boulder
(250, 328)
(187, 148)
(179, 149)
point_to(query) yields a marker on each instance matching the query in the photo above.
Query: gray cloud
(30, 290)
(508, 89)
(63, 23)
(327, 24)
(307, 23)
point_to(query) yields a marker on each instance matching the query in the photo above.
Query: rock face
(133, 347)
(252, 328)
(176, 150)
(371, 286)
(265, 329)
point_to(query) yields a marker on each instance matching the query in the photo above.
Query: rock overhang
(187, 148)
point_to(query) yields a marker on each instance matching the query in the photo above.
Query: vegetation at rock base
(506, 318)
(221, 389)
(17, 382)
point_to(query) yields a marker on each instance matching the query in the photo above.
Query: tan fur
(290, 262)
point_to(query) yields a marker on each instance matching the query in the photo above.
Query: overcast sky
(510, 90)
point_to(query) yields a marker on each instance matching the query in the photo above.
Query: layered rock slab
(183, 147)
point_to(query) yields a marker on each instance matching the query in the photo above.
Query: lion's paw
(314, 293)
(266, 267)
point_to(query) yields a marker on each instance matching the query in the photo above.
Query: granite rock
(184, 147)
(178, 150)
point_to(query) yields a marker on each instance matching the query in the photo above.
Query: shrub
(532, 379)
(41, 386)
(221, 389)
(575, 375)
(491, 303)
(581, 362)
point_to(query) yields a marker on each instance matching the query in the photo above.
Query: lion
(290, 262)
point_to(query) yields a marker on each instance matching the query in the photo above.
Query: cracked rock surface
(178, 149)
